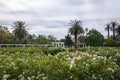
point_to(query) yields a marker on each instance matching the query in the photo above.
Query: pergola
(58, 44)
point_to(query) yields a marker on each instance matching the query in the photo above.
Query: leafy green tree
(20, 31)
(111, 43)
(81, 39)
(5, 35)
(107, 28)
(68, 41)
(76, 29)
(94, 38)
(51, 38)
(118, 30)
(30, 37)
(118, 33)
(62, 40)
(42, 39)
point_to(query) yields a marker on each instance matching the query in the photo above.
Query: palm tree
(75, 29)
(113, 26)
(108, 29)
(19, 30)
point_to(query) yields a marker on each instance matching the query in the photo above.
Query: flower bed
(92, 64)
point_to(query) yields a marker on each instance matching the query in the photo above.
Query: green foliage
(76, 30)
(27, 50)
(68, 41)
(82, 49)
(5, 35)
(52, 50)
(118, 29)
(19, 31)
(51, 38)
(111, 43)
(32, 50)
(95, 63)
(81, 39)
(42, 39)
(31, 38)
(94, 38)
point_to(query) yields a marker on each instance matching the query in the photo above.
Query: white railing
(23, 45)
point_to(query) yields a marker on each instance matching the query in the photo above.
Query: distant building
(81, 44)
(62, 44)
(58, 44)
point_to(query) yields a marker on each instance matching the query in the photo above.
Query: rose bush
(92, 64)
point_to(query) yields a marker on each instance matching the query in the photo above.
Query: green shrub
(82, 49)
(12, 50)
(111, 43)
(52, 50)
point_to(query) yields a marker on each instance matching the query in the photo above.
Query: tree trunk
(114, 33)
(75, 40)
(108, 34)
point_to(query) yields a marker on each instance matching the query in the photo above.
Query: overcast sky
(53, 16)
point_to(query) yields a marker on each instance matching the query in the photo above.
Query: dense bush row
(86, 64)
(31, 50)
(112, 43)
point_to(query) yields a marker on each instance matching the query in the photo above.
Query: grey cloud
(58, 13)
(48, 24)
(72, 2)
